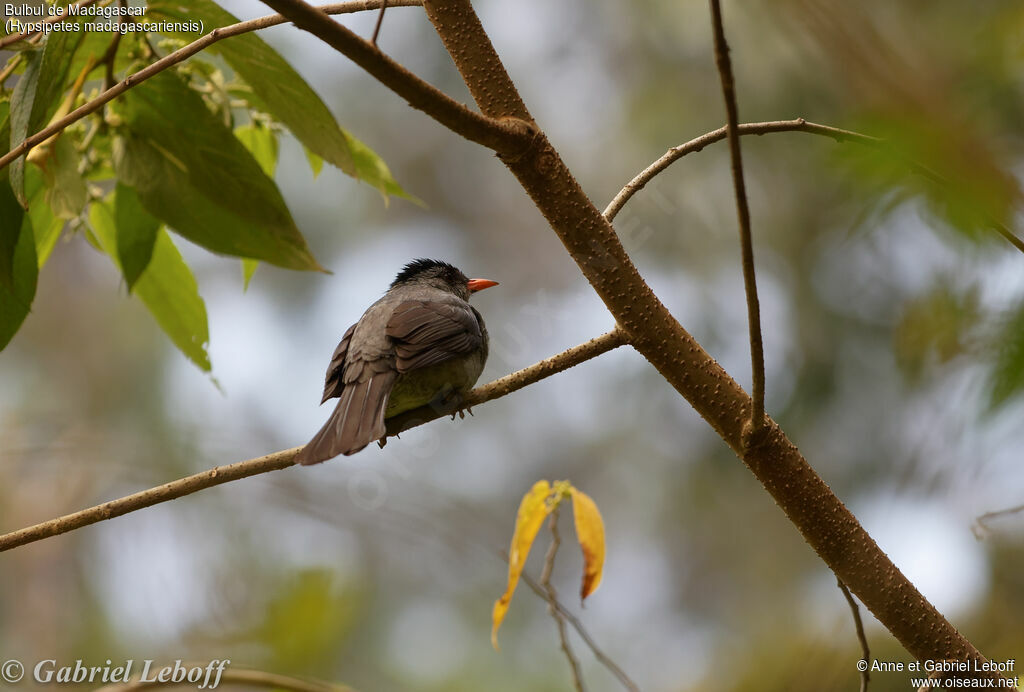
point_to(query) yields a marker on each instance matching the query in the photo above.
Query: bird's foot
(461, 413)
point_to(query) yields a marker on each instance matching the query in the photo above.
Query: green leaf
(167, 287)
(248, 269)
(37, 94)
(279, 88)
(280, 91)
(18, 267)
(65, 189)
(1007, 377)
(192, 173)
(375, 172)
(262, 144)
(45, 224)
(136, 234)
(316, 164)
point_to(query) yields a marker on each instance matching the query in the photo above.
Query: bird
(421, 343)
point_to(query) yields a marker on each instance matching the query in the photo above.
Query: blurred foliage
(167, 143)
(893, 323)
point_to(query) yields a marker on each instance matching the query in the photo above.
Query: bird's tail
(357, 420)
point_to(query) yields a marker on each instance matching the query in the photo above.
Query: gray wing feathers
(427, 333)
(333, 384)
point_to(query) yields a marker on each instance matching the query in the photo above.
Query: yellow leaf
(532, 511)
(590, 532)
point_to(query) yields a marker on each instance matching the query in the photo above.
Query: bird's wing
(334, 382)
(430, 332)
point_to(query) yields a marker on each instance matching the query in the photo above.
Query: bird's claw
(462, 413)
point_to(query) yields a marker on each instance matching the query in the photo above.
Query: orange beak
(480, 284)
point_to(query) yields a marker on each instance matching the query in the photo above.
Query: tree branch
(506, 136)
(827, 525)
(743, 212)
(600, 655)
(981, 527)
(798, 125)
(510, 383)
(285, 458)
(865, 652)
(491, 133)
(551, 596)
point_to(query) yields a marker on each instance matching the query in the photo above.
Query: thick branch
(477, 61)
(827, 525)
(503, 136)
(285, 458)
(798, 125)
(743, 212)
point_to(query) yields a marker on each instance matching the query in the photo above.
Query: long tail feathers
(357, 420)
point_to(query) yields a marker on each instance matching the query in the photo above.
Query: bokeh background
(886, 312)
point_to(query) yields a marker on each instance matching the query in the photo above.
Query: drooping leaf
(46, 226)
(316, 163)
(167, 287)
(279, 88)
(262, 144)
(137, 232)
(248, 269)
(372, 169)
(590, 533)
(18, 267)
(37, 94)
(532, 511)
(192, 173)
(66, 193)
(1007, 376)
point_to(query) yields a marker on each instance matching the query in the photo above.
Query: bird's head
(441, 275)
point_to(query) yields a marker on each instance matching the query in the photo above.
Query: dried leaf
(532, 511)
(590, 532)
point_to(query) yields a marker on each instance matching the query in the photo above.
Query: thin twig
(285, 458)
(109, 57)
(600, 655)
(981, 522)
(865, 652)
(743, 212)
(798, 125)
(552, 598)
(230, 676)
(380, 20)
(52, 19)
(492, 133)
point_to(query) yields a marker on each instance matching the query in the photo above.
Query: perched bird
(421, 343)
